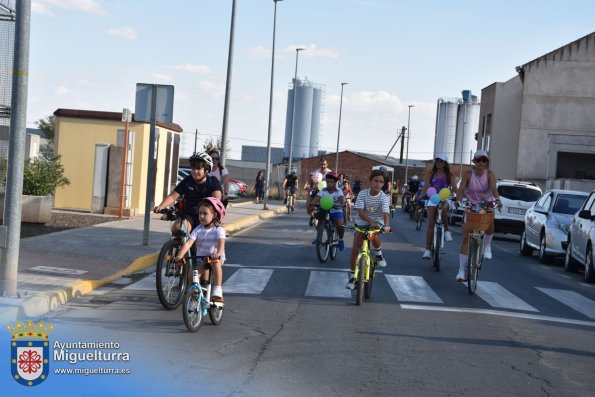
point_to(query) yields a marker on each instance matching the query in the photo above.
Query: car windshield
(568, 204)
(519, 193)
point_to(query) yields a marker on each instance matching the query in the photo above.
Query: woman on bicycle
(372, 211)
(221, 173)
(348, 193)
(478, 185)
(336, 214)
(439, 178)
(209, 238)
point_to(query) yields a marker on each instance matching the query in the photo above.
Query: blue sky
(89, 54)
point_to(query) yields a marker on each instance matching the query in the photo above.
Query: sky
(90, 54)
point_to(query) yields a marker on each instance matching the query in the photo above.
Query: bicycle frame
(365, 275)
(438, 238)
(475, 259)
(326, 247)
(197, 298)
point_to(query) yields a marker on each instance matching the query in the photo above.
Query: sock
(218, 291)
(378, 251)
(463, 261)
(487, 239)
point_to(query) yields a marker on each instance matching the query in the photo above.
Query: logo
(30, 358)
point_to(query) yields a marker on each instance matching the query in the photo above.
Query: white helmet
(414, 177)
(202, 157)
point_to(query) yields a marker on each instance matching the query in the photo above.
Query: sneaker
(487, 253)
(351, 283)
(461, 276)
(341, 245)
(218, 299)
(380, 261)
(292, 209)
(315, 222)
(447, 236)
(427, 255)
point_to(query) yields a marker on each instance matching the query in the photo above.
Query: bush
(42, 177)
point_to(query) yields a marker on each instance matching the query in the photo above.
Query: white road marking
(412, 289)
(247, 281)
(327, 285)
(146, 284)
(59, 270)
(572, 299)
(498, 296)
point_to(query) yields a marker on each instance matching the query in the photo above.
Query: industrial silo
(315, 125)
(446, 127)
(467, 123)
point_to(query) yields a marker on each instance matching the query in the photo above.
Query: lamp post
(268, 166)
(339, 130)
(297, 53)
(408, 137)
(228, 84)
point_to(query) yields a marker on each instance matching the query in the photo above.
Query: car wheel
(543, 256)
(525, 249)
(589, 271)
(569, 263)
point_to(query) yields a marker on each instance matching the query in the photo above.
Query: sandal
(218, 299)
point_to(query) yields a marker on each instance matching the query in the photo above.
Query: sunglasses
(481, 160)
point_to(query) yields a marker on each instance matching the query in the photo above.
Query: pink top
(478, 188)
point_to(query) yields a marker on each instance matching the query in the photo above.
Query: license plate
(517, 211)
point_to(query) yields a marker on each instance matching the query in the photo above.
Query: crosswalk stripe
(247, 281)
(572, 299)
(412, 289)
(328, 285)
(498, 296)
(146, 284)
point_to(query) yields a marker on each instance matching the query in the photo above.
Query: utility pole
(228, 84)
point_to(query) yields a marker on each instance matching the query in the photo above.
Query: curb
(41, 304)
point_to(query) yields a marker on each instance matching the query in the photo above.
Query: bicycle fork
(364, 253)
(204, 292)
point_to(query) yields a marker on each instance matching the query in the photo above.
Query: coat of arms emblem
(30, 358)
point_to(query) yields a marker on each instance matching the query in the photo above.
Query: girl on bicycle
(336, 214)
(478, 184)
(209, 238)
(439, 178)
(348, 193)
(372, 211)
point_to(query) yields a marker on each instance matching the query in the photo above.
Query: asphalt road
(291, 328)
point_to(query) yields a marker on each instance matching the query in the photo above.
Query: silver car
(547, 223)
(581, 238)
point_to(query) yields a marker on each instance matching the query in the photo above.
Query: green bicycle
(365, 266)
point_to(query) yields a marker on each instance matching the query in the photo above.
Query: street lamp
(268, 166)
(408, 137)
(339, 130)
(228, 84)
(297, 52)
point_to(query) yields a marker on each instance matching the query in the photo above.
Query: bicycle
(171, 277)
(365, 266)
(479, 223)
(438, 240)
(418, 213)
(197, 298)
(290, 202)
(327, 238)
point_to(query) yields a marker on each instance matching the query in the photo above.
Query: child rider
(336, 214)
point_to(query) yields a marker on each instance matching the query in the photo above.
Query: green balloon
(321, 185)
(326, 203)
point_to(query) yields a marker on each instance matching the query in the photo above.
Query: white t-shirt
(207, 240)
(336, 195)
(375, 206)
(218, 173)
(323, 173)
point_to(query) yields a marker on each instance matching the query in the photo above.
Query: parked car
(581, 237)
(547, 223)
(517, 197)
(183, 173)
(242, 187)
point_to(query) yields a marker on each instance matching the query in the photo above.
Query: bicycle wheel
(437, 247)
(192, 310)
(473, 264)
(359, 296)
(334, 242)
(216, 314)
(323, 243)
(170, 277)
(419, 219)
(368, 286)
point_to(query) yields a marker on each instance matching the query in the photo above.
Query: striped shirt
(375, 206)
(207, 240)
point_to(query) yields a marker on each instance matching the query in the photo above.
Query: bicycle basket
(479, 221)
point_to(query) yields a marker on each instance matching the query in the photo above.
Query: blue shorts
(336, 215)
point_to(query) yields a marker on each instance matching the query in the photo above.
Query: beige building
(91, 142)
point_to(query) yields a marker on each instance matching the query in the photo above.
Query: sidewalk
(57, 267)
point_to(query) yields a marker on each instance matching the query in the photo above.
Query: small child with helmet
(209, 237)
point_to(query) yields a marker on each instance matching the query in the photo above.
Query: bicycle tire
(368, 286)
(334, 242)
(216, 314)
(436, 248)
(359, 293)
(323, 244)
(192, 310)
(419, 220)
(473, 265)
(170, 279)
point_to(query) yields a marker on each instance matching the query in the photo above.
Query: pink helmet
(218, 205)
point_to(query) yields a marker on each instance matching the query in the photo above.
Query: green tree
(41, 177)
(48, 128)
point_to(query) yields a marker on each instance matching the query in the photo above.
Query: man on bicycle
(412, 188)
(336, 214)
(290, 186)
(372, 211)
(478, 185)
(192, 189)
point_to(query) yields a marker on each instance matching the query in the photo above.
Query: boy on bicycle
(371, 212)
(336, 214)
(290, 186)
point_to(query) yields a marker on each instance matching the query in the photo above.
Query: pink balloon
(431, 191)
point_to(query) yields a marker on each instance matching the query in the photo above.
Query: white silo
(446, 127)
(315, 125)
(467, 122)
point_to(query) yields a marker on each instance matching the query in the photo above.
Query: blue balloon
(435, 199)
